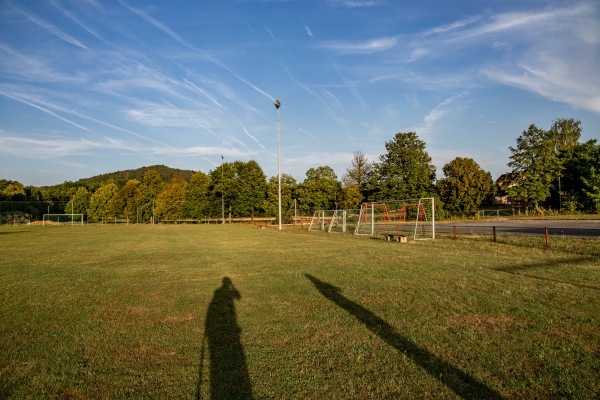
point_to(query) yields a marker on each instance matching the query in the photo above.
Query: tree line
(550, 169)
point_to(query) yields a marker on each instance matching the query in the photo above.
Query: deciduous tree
(535, 166)
(251, 184)
(79, 203)
(581, 177)
(149, 189)
(125, 205)
(99, 208)
(320, 189)
(288, 189)
(464, 186)
(355, 180)
(404, 172)
(197, 196)
(169, 203)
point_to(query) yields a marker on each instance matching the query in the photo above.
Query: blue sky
(89, 87)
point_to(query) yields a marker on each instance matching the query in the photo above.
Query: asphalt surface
(556, 228)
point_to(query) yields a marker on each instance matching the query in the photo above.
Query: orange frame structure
(365, 211)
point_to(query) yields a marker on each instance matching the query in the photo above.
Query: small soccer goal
(412, 218)
(62, 219)
(334, 221)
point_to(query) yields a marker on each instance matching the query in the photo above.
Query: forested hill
(165, 172)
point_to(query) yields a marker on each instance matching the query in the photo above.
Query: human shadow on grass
(456, 380)
(229, 378)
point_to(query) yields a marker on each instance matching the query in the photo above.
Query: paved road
(556, 228)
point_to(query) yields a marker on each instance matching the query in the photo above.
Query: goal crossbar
(410, 217)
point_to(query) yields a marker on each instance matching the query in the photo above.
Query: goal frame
(66, 222)
(416, 216)
(334, 221)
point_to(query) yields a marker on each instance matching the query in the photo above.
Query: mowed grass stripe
(122, 311)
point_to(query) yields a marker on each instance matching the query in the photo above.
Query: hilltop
(165, 172)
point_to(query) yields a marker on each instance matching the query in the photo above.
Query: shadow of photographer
(229, 378)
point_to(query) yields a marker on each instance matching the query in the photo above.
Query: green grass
(123, 311)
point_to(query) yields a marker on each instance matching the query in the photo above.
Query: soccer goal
(412, 218)
(321, 220)
(62, 219)
(334, 221)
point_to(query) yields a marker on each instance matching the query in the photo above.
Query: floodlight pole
(277, 105)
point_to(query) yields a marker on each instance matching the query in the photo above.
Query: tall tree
(223, 189)
(169, 203)
(251, 184)
(150, 188)
(197, 196)
(581, 177)
(124, 204)
(79, 203)
(535, 166)
(359, 171)
(351, 197)
(288, 189)
(243, 187)
(99, 208)
(404, 172)
(11, 190)
(320, 190)
(566, 133)
(355, 180)
(464, 186)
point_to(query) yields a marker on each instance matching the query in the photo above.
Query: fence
(493, 231)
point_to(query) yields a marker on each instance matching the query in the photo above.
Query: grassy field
(238, 312)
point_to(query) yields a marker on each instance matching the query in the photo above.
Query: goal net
(411, 217)
(62, 219)
(334, 221)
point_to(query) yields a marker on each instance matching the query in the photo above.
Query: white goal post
(334, 221)
(62, 219)
(410, 217)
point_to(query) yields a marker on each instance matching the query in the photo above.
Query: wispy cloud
(198, 151)
(18, 65)
(57, 147)
(153, 21)
(308, 31)
(60, 147)
(556, 82)
(50, 28)
(362, 47)
(533, 50)
(251, 136)
(73, 18)
(22, 99)
(453, 26)
(355, 3)
(53, 110)
(436, 114)
(200, 90)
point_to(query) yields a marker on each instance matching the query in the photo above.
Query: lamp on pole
(277, 105)
(222, 195)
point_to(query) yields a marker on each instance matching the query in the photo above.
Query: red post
(494, 233)
(547, 245)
